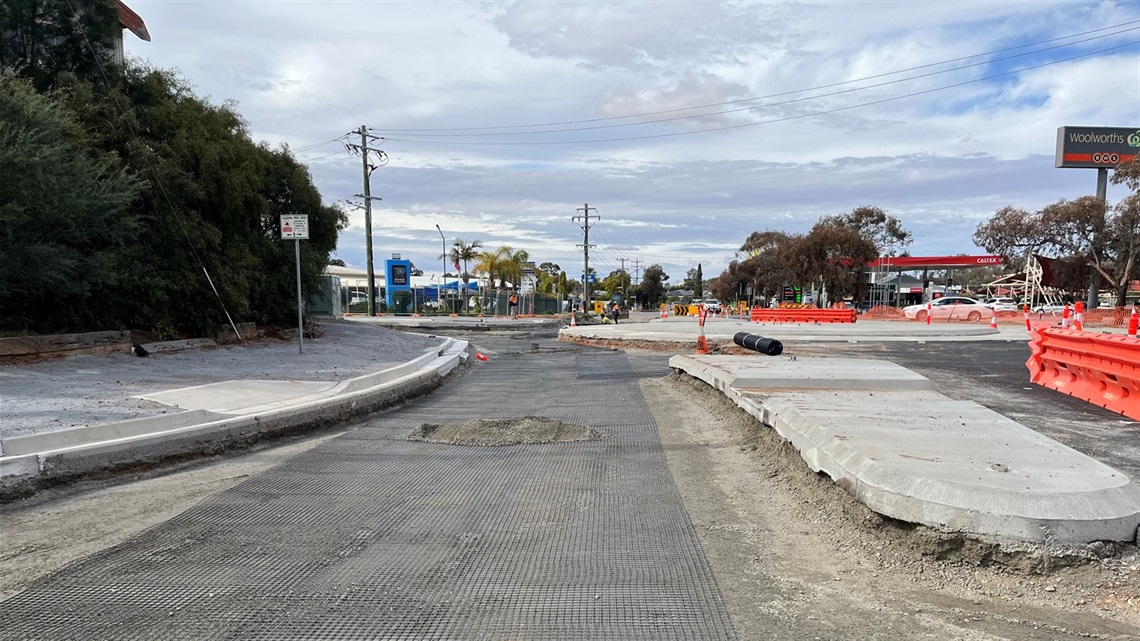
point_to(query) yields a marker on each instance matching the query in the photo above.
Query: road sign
(295, 227)
(1096, 147)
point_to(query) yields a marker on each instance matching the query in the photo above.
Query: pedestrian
(512, 304)
(615, 312)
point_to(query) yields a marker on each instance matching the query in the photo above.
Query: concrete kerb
(21, 473)
(978, 472)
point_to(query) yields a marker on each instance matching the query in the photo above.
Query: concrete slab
(782, 372)
(921, 457)
(244, 397)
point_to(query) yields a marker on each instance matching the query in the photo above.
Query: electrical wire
(772, 120)
(816, 88)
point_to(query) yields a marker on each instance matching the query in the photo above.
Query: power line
(795, 91)
(772, 120)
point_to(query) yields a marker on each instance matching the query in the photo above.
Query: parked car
(950, 308)
(1048, 308)
(1003, 304)
(358, 299)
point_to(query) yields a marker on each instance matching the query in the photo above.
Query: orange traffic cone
(572, 323)
(480, 356)
(1133, 323)
(993, 321)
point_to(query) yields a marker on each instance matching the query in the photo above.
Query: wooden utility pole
(585, 218)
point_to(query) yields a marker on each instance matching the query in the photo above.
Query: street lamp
(443, 276)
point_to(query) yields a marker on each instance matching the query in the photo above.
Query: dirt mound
(511, 431)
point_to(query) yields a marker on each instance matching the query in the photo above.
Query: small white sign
(295, 226)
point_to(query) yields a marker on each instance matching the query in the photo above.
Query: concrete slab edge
(1116, 525)
(78, 436)
(21, 475)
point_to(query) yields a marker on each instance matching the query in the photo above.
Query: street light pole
(442, 276)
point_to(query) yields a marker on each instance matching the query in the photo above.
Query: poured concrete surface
(919, 456)
(809, 372)
(245, 396)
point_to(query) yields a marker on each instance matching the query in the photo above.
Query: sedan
(1004, 304)
(1049, 308)
(950, 308)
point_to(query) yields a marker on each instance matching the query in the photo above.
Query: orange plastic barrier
(1103, 369)
(814, 315)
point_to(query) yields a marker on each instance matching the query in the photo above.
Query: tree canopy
(1090, 237)
(202, 199)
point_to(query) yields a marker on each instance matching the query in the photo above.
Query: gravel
(89, 390)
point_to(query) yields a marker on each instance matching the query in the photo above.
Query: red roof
(131, 20)
(934, 262)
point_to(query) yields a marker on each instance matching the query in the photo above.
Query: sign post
(297, 228)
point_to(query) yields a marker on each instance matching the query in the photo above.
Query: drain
(510, 431)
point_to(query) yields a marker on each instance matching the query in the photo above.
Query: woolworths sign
(1096, 146)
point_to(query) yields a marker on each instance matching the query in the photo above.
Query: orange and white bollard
(1027, 326)
(572, 323)
(1065, 317)
(1133, 323)
(664, 313)
(1079, 317)
(928, 314)
(993, 320)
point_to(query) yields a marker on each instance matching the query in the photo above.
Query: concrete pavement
(910, 453)
(214, 416)
(1067, 497)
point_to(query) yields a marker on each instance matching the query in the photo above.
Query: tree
(1106, 240)
(39, 39)
(64, 215)
(463, 252)
(770, 263)
(884, 231)
(617, 282)
(210, 205)
(337, 262)
(834, 255)
(651, 291)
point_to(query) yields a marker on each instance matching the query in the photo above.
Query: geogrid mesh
(372, 537)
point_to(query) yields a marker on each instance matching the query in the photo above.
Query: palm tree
(461, 251)
(513, 265)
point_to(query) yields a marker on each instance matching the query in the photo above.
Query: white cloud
(308, 72)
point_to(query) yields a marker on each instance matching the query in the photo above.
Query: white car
(950, 308)
(1055, 309)
(1004, 304)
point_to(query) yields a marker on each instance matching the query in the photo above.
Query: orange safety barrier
(815, 315)
(1103, 369)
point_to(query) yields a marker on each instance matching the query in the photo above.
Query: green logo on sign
(1134, 140)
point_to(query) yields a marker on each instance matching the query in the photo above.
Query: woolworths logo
(1134, 139)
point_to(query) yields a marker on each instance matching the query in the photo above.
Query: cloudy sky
(688, 125)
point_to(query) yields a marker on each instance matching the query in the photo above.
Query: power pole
(585, 218)
(623, 279)
(636, 272)
(367, 169)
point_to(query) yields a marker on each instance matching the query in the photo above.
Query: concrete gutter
(30, 461)
(913, 454)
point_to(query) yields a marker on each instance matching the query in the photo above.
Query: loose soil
(515, 431)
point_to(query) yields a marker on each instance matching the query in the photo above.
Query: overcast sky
(501, 119)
